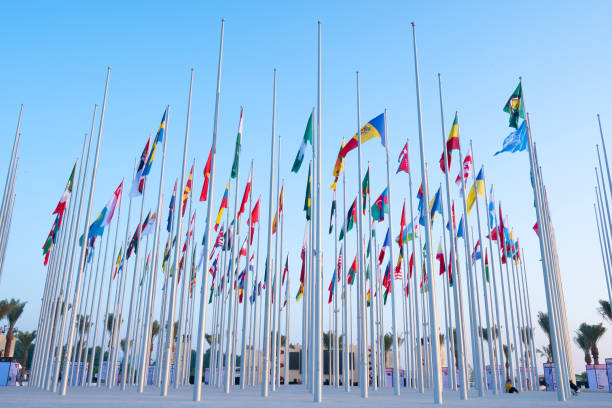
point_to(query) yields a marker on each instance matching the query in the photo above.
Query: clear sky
(55, 59)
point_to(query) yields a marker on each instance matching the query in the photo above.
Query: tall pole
(346, 366)
(179, 226)
(396, 380)
(266, 339)
(79, 277)
(433, 309)
(363, 363)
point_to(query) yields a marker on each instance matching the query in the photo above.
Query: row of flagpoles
(72, 306)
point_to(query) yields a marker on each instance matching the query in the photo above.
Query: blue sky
(55, 59)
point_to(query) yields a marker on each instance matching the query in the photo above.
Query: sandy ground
(292, 396)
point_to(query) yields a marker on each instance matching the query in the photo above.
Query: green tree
(604, 309)
(14, 311)
(25, 340)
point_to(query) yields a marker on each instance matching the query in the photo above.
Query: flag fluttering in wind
(253, 219)
(385, 244)
(398, 267)
(515, 141)
(237, 149)
(491, 209)
(440, 258)
(515, 107)
(138, 183)
(466, 169)
(404, 160)
(96, 229)
(299, 158)
(452, 143)
(373, 129)
(351, 219)
(331, 289)
(149, 226)
(159, 138)
(187, 191)
(119, 262)
(365, 189)
(171, 207)
(223, 205)
(477, 254)
(380, 206)
(477, 187)
(338, 167)
(61, 205)
(331, 216)
(352, 271)
(308, 198)
(247, 193)
(486, 264)
(402, 226)
(204, 193)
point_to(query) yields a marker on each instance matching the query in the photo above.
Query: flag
(307, 199)
(332, 286)
(274, 222)
(331, 216)
(351, 216)
(452, 143)
(159, 138)
(112, 204)
(253, 219)
(535, 228)
(436, 205)
(452, 217)
(61, 205)
(119, 262)
(515, 107)
(466, 169)
(149, 226)
(450, 268)
(404, 160)
(138, 183)
(380, 206)
(440, 258)
(411, 264)
(300, 293)
(299, 158)
(171, 207)
(339, 264)
(133, 246)
(385, 244)
(352, 272)
(461, 229)
(368, 298)
(402, 226)
(515, 141)
(398, 266)
(477, 254)
(491, 209)
(486, 265)
(372, 129)
(479, 187)
(285, 269)
(204, 193)
(222, 206)
(338, 167)
(247, 192)
(237, 149)
(365, 189)
(187, 190)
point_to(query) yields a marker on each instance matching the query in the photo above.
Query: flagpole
(604, 196)
(68, 268)
(79, 276)
(604, 232)
(280, 286)
(266, 340)
(373, 348)
(432, 297)
(245, 297)
(447, 315)
(604, 257)
(179, 226)
(345, 346)
(256, 296)
(457, 295)
(274, 272)
(534, 369)
(338, 274)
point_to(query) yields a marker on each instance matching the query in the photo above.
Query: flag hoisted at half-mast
(299, 158)
(237, 150)
(308, 198)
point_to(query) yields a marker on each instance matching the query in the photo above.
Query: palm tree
(4, 308)
(26, 339)
(546, 352)
(593, 333)
(582, 342)
(604, 309)
(544, 323)
(110, 319)
(154, 332)
(15, 309)
(389, 342)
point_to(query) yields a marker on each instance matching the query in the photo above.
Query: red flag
(440, 258)
(280, 200)
(466, 170)
(245, 196)
(204, 193)
(402, 225)
(410, 264)
(187, 191)
(535, 228)
(404, 160)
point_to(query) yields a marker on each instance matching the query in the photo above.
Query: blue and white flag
(515, 141)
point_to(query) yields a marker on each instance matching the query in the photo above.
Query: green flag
(515, 106)
(307, 199)
(237, 151)
(299, 158)
(365, 189)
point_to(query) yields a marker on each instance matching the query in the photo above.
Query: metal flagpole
(419, 353)
(256, 296)
(396, 385)
(433, 310)
(245, 298)
(266, 330)
(179, 226)
(143, 371)
(276, 286)
(457, 295)
(534, 369)
(280, 286)
(197, 384)
(318, 268)
(604, 197)
(79, 276)
(373, 348)
(363, 364)
(337, 275)
(345, 344)
(68, 268)
(604, 256)
(450, 366)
